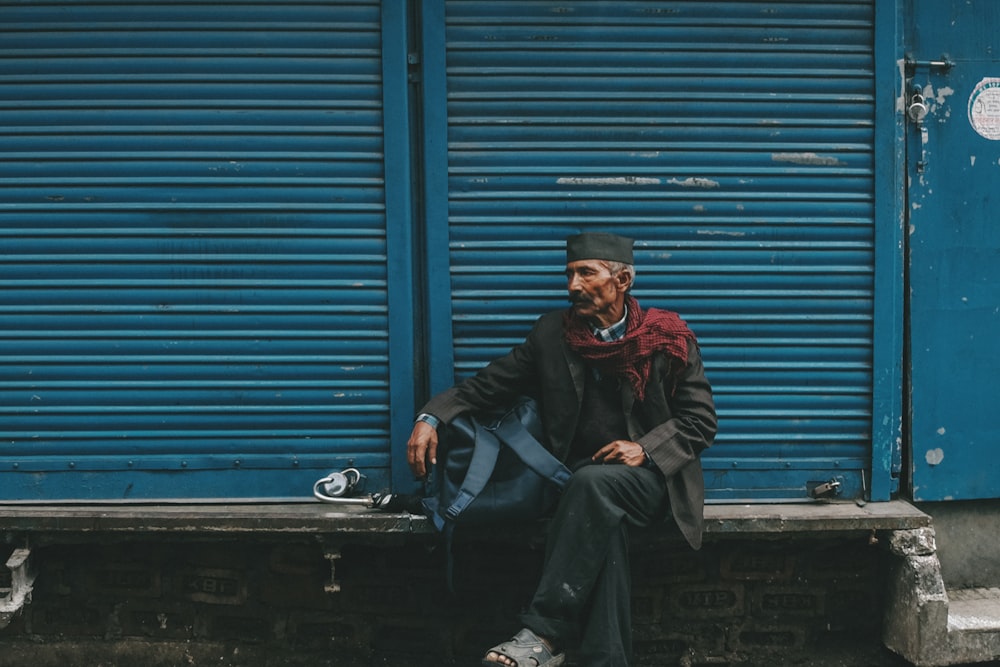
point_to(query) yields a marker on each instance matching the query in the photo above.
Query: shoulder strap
(484, 460)
(528, 449)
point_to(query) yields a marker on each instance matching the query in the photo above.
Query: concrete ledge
(813, 517)
(359, 522)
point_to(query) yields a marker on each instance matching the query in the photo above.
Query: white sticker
(984, 108)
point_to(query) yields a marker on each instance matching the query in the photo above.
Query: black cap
(599, 245)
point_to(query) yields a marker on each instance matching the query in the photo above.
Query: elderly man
(625, 403)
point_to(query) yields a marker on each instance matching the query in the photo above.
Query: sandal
(526, 649)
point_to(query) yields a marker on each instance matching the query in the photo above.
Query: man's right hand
(421, 449)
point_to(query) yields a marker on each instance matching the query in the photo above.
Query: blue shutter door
(194, 242)
(734, 141)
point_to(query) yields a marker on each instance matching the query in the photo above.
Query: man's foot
(526, 649)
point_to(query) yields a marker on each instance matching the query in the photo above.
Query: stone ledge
(358, 522)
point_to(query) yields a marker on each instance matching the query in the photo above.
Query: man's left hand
(621, 451)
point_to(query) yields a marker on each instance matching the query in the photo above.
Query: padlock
(345, 488)
(917, 109)
(826, 489)
(338, 484)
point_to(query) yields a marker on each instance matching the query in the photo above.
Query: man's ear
(624, 279)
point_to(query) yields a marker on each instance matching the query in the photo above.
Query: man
(625, 403)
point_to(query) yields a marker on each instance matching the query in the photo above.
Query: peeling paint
(694, 183)
(934, 456)
(717, 232)
(608, 180)
(810, 159)
(934, 100)
(924, 155)
(943, 94)
(941, 431)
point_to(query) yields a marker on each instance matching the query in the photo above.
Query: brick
(297, 559)
(789, 601)
(66, 620)
(644, 605)
(161, 621)
(840, 561)
(850, 600)
(213, 586)
(677, 637)
(126, 580)
(294, 591)
(396, 642)
(771, 637)
(852, 609)
(662, 651)
(372, 597)
(325, 631)
(707, 601)
(672, 567)
(242, 627)
(756, 565)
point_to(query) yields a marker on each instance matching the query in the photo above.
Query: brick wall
(175, 601)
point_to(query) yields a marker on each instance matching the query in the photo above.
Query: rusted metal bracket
(22, 577)
(332, 555)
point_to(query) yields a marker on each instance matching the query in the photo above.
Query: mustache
(577, 298)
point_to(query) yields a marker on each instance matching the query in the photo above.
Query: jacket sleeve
(496, 385)
(691, 423)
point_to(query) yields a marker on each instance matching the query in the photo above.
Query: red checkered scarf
(631, 357)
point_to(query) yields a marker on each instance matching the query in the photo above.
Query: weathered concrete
(916, 618)
(362, 523)
(925, 622)
(967, 547)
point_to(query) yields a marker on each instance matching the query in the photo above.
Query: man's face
(595, 294)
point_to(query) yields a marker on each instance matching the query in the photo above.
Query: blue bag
(495, 469)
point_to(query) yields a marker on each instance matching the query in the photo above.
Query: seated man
(625, 404)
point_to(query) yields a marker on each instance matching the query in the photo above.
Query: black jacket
(677, 421)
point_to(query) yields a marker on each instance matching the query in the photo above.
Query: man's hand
(421, 448)
(621, 451)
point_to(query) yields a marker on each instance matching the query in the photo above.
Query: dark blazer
(677, 421)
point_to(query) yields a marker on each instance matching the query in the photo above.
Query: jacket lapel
(577, 369)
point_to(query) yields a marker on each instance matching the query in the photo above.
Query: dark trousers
(584, 595)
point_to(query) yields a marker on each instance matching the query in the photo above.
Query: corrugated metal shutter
(734, 140)
(194, 248)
